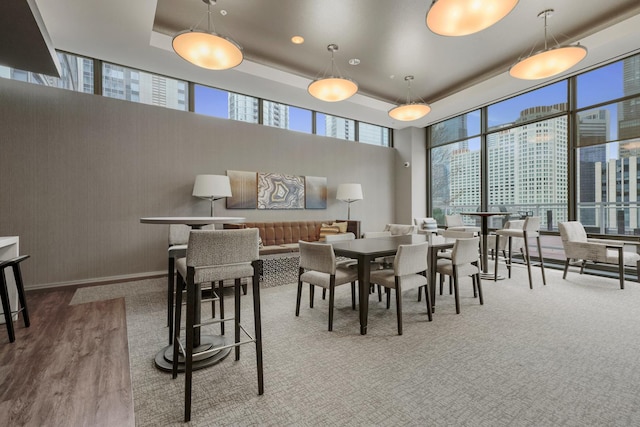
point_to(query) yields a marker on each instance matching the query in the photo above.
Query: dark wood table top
(376, 246)
(379, 246)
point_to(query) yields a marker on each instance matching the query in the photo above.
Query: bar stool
(214, 256)
(530, 228)
(4, 294)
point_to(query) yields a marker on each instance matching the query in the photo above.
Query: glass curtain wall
(608, 148)
(527, 156)
(532, 143)
(455, 166)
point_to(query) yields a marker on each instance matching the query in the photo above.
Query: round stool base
(164, 358)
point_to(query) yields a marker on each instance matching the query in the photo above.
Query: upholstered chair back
(411, 259)
(317, 257)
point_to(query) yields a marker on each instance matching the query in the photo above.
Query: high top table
(164, 358)
(484, 216)
(365, 250)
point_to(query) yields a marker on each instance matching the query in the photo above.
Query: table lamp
(212, 187)
(349, 193)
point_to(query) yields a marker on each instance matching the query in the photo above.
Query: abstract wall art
(315, 188)
(280, 191)
(244, 190)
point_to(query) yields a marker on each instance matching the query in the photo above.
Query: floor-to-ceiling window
(455, 166)
(550, 152)
(527, 152)
(608, 148)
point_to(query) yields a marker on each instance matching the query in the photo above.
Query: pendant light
(410, 110)
(549, 61)
(207, 49)
(464, 17)
(333, 87)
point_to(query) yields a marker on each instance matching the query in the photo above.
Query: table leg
(485, 235)
(363, 283)
(433, 262)
(485, 253)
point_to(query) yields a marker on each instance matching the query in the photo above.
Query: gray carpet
(561, 355)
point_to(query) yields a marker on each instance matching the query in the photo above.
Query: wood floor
(71, 367)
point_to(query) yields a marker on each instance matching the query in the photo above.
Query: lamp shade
(349, 192)
(207, 50)
(212, 187)
(548, 62)
(464, 17)
(333, 89)
(409, 112)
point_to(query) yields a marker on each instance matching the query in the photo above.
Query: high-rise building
(629, 110)
(246, 109)
(133, 85)
(593, 130)
(337, 127)
(617, 183)
(528, 164)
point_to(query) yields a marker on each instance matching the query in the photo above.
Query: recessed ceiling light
(354, 61)
(297, 39)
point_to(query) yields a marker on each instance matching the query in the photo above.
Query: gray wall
(411, 185)
(78, 171)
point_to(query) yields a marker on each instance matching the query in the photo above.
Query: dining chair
(451, 236)
(318, 268)
(515, 245)
(581, 249)
(454, 222)
(426, 225)
(530, 228)
(213, 256)
(14, 265)
(465, 260)
(348, 262)
(378, 263)
(409, 272)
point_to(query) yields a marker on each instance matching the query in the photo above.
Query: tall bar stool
(213, 256)
(4, 294)
(530, 228)
(178, 239)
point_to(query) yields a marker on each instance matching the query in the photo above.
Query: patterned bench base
(279, 271)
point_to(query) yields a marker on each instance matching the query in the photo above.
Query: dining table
(202, 343)
(484, 227)
(366, 250)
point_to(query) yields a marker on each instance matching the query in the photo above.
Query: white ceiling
(390, 38)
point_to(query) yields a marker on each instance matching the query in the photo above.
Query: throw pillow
(326, 230)
(342, 226)
(430, 224)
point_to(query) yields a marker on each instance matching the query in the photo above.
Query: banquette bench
(282, 237)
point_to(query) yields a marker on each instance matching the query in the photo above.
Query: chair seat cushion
(387, 279)
(343, 275)
(223, 272)
(629, 258)
(507, 232)
(445, 266)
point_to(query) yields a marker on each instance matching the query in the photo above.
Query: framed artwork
(315, 190)
(244, 190)
(280, 191)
